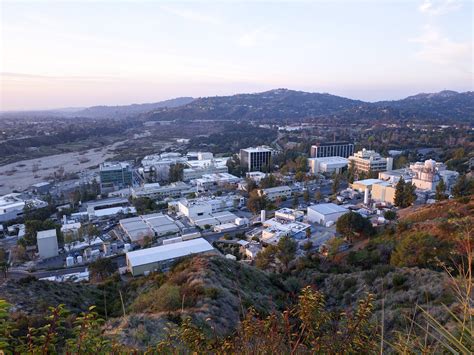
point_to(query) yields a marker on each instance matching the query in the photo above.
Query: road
(17, 273)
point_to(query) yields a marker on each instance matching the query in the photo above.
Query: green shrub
(398, 280)
(349, 282)
(166, 298)
(212, 292)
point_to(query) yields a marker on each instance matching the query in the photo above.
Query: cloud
(438, 7)
(255, 37)
(192, 15)
(439, 49)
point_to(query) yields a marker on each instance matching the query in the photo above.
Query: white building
(151, 225)
(369, 160)
(209, 181)
(47, 242)
(289, 214)
(159, 258)
(12, 206)
(109, 207)
(424, 175)
(428, 174)
(276, 228)
(157, 192)
(202, 206)
(274, 193)
(197, 168)
(325, 213)
(327, 164)
(256, 176)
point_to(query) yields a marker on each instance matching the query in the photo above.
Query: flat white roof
(330, 159)
(368, 182)
(276, 189)
(257, 149)
(50, 233)
(169, 251)
(327, 208)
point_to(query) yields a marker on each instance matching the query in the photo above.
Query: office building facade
(332, 149)
(256, 159)
(115, 176)
(368, 160)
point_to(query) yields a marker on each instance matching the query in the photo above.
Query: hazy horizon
(72, 108)
(58, 54)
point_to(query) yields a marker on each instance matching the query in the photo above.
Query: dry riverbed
(22, 174)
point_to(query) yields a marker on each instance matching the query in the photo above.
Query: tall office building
(115, 176)
(332, 149)
(255, 159)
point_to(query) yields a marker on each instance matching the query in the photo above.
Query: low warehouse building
(325, 213)
(143, 261)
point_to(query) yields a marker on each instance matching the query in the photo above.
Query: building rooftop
(107, 202)
(368, 182)
(257, 149)
(114, 166)
(169, 251)
(276, 189)
(334, 159)
(327, 208)
(50, 233)
(205, 163)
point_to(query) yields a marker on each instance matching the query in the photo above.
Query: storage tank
(79, 259)
(107, 248)
(87, 253)
(69, 261)
(263, 216)
(126, 247)
(366, 196)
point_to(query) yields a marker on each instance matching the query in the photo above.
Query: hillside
(283, 104)
(129, 110)
(273, 104)
(443, 105)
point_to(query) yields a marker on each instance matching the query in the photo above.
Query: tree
(300, 176)
(251, 184)
(266, 257)
(400, 162)
(463, 187)
(404, 194)
(399, 199)
(256, 203)
(390, 215)
(333, 246)
(286, 250)
(318, 196)
(176, 172)
(352, 225)
(336, 182)
(441, 191)
(101, 269)
(269, 181)
(351, 172)
(306, 196)
(409, 192)
(295, 200)
(420, 249)
(302, 164)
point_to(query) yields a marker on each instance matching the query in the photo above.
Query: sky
(82, 53)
